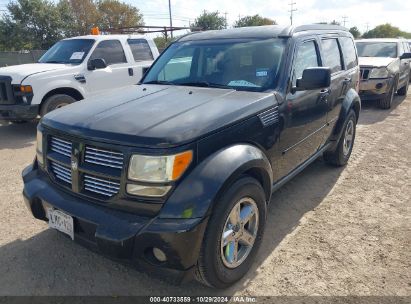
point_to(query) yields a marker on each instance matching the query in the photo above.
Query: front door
(115, 75)
(304, 112)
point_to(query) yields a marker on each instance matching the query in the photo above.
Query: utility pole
(292, 10)
(344, 20)
(171, 19)
(225, 16)
(367, 25)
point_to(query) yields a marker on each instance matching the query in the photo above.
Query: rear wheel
(233, 234)
(55, 102)
(339, 157)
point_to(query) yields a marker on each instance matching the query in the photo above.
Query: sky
(361, 13)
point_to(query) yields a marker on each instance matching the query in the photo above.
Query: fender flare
(196, 195)
(352, 101)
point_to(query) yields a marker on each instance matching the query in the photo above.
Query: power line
(344, 19)
(292, 10)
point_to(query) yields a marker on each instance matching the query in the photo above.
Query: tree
(386, 31)
(116, 14)
(355, 32)
(31, 24)
(210, 21)
(83, 15)
(255, 20)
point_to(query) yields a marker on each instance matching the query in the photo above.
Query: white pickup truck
(71, 70)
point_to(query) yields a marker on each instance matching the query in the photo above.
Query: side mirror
(313, 79)
(405, 56)
(95, 64)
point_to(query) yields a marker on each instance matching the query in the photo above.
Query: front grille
(104, 157)
(60, 146)
(61, 172)
(365, 73)
(6, 92)
(100, 185)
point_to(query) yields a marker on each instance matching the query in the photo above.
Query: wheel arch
(198, 192)
(63, 90)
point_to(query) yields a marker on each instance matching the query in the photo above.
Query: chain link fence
(20, 57)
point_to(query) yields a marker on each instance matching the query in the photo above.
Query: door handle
(347, 80)
(130, 72)
(325, 92)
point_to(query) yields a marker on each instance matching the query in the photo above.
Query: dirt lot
(329, 232)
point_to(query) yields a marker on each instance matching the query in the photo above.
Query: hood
(156, 115)
(22, 71)
(377, 62)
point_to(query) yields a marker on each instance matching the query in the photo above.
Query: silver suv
(385, 69)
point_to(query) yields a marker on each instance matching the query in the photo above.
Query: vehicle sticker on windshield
(77, 56)
(261, 72)
(242, 83)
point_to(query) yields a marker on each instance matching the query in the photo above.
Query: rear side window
(140, 49)
(111, 51)
(331, 55)
(307, 57)
(400, 49)
(349, 53)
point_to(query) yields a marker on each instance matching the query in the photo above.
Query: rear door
(142, 56)
(404, 65)
(115, 75)
(341, 79)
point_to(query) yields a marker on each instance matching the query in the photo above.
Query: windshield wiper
(54, 61)
(204, 84)
(164, 82)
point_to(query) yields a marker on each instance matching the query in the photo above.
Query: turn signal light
(26, 89)
(181, 162)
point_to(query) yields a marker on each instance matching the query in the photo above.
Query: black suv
(175, 174)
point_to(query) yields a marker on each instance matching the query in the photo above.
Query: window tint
(331, 53)
(140, 49)
(350, 56)
(111, 51)
(178, 67)
(307, 57)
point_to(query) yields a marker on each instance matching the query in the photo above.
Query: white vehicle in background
(71, 70)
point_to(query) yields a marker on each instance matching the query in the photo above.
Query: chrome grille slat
(269, 117)
(108, 182)
(60, 146)
(98, 191)
(104, 158)
(100, 185)
(61, 172)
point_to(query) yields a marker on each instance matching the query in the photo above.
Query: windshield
(242, 64)
(68, 51)
(377, 49)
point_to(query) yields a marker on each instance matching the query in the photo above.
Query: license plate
(61, 221)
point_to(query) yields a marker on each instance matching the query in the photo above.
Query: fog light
(379, 86)
(159, 254)
(151, 191)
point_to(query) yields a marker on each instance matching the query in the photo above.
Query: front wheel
(339, 157)
(386, 102)
(404, 90)
(55, 102)
(233, 234)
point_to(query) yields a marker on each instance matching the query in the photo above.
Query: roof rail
(317, 27)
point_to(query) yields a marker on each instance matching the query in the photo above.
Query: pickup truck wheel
(385, 103)
(54, 102)
(339, 157)
(404, 90)
(233, 234)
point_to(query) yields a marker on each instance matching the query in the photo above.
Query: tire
(386, 102)
(404, 90)
(213, 266)
(340, 156)
(54, 102)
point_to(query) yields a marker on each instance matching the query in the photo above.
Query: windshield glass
(377, 49)
(242, 64)
(68, 51)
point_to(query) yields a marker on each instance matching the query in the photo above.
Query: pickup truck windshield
(241, 64)
(377, 49)
(71, 51)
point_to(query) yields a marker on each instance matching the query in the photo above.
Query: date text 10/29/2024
(203, 299)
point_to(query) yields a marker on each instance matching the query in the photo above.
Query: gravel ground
(329, 231)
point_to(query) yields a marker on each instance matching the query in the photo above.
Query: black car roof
(267, 31)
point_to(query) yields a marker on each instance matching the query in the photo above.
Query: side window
(140, 49)
(111, 51)
(307, 57)
(400, 49)
(332, 56)
(406, 47)
(350, 56)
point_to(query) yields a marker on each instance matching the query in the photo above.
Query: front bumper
(120, 235)
(18, 112)
(373, 89)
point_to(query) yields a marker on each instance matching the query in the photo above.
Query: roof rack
(146, 29)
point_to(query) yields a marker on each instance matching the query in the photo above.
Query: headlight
(159, 169)
(39, 149)
(379, 73)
